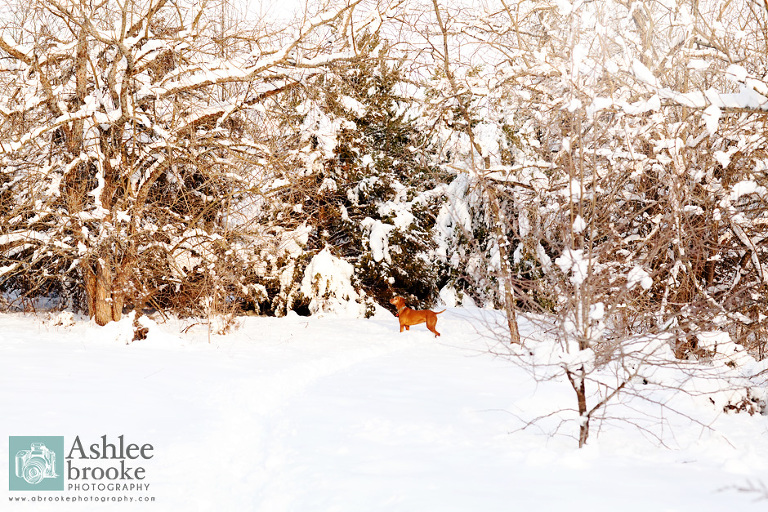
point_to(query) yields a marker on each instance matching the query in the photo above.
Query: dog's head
(397, 301)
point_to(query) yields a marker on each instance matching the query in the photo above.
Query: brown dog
(409, 317)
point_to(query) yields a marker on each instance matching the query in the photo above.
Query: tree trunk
(577, 382)
(105, 303)
(102, 305)
(498, 220)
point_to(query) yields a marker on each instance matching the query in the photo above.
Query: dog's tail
(438, 312)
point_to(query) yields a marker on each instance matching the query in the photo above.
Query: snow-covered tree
(366, 189)
(124, 143)
(616, 173)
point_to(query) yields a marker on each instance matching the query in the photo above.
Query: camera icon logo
(36, 463)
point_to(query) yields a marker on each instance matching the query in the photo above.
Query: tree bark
(499, 221)
(577, 382)
(105, 301)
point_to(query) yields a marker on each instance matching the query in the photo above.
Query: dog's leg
(431, 323)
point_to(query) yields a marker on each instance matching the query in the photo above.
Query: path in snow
(339, 414)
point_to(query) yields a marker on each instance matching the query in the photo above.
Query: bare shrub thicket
(624, 143)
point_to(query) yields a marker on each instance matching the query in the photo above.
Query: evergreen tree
(371, 191)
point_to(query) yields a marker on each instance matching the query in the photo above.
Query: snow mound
(327, 283)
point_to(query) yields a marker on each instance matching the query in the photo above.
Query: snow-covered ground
(320, 414)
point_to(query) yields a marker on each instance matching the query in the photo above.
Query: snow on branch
(27, 236)
(22, 53)
(235, 72)
(752, 96)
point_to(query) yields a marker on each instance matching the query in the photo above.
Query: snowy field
(321, 414)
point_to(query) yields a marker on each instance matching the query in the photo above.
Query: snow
(711, 118)
(564, 7)
(651, 104)
(719, 342)
(643, 73)
(639, 276)
(736, 73)
(399, 210)
(579, 225)
(572, 262)
(353, 106)
(328, 185)
(744, 188)
(306, 413)
(378, 233)
(327, 283)
(488, 135)
(698, 64)
(455, 214)
(597, 311)
(724, 157)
